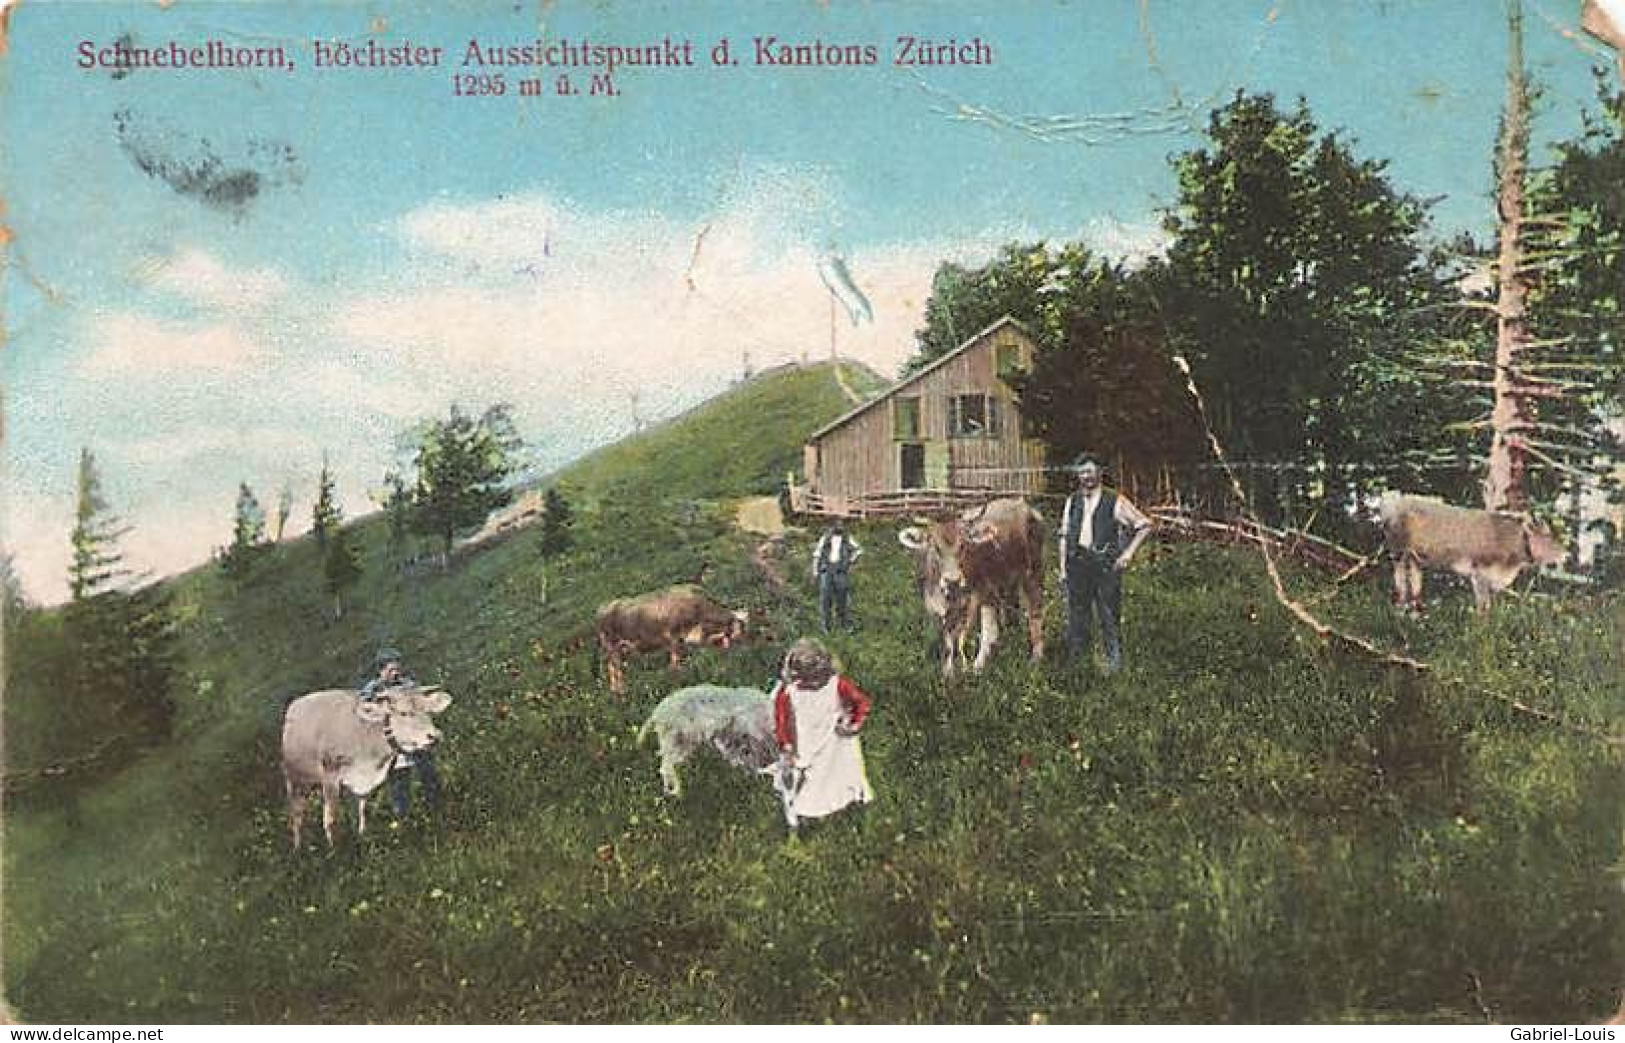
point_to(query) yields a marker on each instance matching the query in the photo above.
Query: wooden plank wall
(862, 455)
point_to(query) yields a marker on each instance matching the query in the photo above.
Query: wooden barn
(951, 433)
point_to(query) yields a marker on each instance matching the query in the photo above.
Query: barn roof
(912, 378)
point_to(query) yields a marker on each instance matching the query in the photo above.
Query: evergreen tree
(557, 517)
(325, 515)
(341, 568)
(96, 565)
(397, 504)
(95, 610)
(125, 651)
(462, 467)
(247, 533)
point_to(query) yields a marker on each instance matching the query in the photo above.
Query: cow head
(936, 559)
(1544, 548)
(406, 715)
(734, 630)
(719, 634)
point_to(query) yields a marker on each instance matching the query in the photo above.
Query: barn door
(936, 465)
(912, 465)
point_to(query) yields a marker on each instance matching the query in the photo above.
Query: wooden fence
(1176, 517)
(902, 502)
(1164, 489)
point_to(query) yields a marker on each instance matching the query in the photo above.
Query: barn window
(906, 418)
(973, 416)
(1007, 360)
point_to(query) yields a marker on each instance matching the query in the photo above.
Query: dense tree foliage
(1323, 330)
(1026, 281)
(1107, 385)
(1299, 276)
(462, 466)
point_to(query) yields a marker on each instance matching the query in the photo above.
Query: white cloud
(199, 277)
(501, 231)
(624, 302)
(562, 312)
(127, 345)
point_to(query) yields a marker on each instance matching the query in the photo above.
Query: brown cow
(975, 563)
(667, 619)
(1487, 547)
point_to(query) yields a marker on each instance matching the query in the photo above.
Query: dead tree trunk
(1512, 417)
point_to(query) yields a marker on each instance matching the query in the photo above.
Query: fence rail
(888, 504)
(1175, 518)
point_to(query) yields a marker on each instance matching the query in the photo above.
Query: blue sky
(408, 248)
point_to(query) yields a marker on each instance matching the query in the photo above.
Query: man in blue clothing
(392, 676)
(1094, 555)
(832, 569)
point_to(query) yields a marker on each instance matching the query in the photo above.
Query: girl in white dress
(817, 715)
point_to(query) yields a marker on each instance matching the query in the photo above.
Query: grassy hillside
(1244, 825)
(761, 424)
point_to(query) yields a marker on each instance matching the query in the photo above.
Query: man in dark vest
(832, 569)
(1094, 554)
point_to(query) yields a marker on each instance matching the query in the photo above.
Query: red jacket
(784, 720)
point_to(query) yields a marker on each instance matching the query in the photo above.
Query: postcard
(843, 512)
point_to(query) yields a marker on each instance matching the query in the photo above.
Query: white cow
(337, 742)
(737, 722)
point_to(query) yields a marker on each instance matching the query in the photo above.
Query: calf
(1489, 548)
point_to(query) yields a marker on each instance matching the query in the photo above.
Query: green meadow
(1246, 824)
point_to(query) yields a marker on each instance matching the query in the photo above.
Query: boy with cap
(390, 676)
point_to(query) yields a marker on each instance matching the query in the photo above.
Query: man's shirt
(831, 547)
(1125, 515)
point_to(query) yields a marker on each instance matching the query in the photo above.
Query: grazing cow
(975, 563)
(667, 619)
(1487, 547)
(737, 722)
(335, 741)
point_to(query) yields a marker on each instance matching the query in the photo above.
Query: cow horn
(912, 538)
